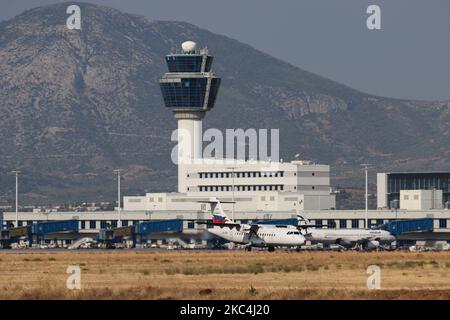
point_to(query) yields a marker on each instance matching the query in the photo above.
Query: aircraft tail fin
(302, 220)
(219, 216)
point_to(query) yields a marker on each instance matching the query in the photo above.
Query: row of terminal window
(84, 224)
(92, 224)
(253, 174)
(355, 223)
(242, 188)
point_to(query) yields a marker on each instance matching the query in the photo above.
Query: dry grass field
(224, 275)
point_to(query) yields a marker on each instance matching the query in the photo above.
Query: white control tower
(189, 90)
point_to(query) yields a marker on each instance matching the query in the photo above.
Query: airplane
(347, 238)
(250, 235)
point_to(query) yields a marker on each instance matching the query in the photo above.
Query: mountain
(76, 104)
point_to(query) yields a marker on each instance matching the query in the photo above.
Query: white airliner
(348, 238)
(251, 235)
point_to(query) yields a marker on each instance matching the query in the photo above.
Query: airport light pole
(366, 169)
(16, 172)
(232, 189)
(119, 221)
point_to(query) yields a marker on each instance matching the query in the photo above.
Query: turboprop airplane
(347, 238)
(251, 235)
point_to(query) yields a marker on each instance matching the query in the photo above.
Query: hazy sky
(408, 58)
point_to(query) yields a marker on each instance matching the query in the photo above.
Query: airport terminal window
(114, 223)
(379, 222)
(83, 224)
(355, 223)
(103, 224)
(184, 63)
(319, 223)
(29, 223)
(191, 225)
(92, 224)
(343, 224)
(188, 92)
(124, 223)
(443, 223)
(20, 223)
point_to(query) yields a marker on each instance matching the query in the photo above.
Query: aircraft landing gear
(248, 248)
(271, 249)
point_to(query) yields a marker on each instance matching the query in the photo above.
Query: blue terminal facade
(189, 85)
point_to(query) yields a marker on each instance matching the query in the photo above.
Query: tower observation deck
(189, 90)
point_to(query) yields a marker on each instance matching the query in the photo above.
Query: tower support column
(190, 144)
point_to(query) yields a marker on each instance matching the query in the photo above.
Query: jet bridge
(139, 232)
(37, 231)
(14, 235)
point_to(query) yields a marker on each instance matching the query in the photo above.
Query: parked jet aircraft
(251, 235)
(348, 238)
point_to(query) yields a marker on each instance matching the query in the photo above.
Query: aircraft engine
(345, 243)
(373, 244)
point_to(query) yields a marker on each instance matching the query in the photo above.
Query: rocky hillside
(75, 104)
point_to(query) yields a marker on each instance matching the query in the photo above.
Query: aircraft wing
(253, 227)
(228, 225)
(306, 226)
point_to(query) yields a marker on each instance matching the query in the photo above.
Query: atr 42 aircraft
(348, 238)
(251, 235)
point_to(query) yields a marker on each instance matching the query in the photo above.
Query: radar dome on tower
(189, 46)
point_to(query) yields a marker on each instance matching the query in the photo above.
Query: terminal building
(189, 90)
(390, 185)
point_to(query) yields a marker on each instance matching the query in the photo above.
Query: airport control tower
(189, 90)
